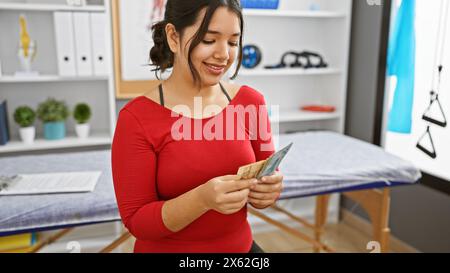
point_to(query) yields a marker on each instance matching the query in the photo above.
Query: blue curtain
(401, 63)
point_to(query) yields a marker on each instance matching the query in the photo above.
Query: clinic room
(224, 126)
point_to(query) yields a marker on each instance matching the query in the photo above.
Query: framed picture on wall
(132, 41)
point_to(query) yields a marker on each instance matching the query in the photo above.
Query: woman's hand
(226, 194)
(267, 191)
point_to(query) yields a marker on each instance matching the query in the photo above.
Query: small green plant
(52, 110)
(82, 113)
(24, 116)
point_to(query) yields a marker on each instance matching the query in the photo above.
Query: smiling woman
(212, 42)
(183, 194)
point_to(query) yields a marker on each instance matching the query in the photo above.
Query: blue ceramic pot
(54, 130)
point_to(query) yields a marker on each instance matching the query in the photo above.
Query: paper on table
(65, 182)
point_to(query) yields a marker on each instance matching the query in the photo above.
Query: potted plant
(53, 114)
(82, 114)
(24, 116)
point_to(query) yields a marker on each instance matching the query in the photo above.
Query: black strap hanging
(161, 95)
(431, 153)
(439, 56)
(434, 100)
(437, 73)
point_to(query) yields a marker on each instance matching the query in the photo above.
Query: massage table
(319, 164)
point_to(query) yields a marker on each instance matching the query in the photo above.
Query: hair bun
(160, 54)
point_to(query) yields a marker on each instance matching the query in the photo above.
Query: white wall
(404, 145)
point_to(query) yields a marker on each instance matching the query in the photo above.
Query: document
(44, 183)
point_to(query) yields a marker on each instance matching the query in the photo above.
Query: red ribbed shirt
(154, 159)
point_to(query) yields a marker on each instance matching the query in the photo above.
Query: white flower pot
(82, 130)
(27, 134)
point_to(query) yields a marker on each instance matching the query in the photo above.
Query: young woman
(175, 177)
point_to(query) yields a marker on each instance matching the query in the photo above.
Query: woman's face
(219, 47)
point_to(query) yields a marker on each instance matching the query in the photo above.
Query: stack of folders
(81, 43)
(4, 128)
(20, 243)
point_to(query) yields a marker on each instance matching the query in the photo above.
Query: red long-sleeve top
(154, 160)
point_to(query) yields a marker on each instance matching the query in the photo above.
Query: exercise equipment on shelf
(259, 4)
(303, 59)
(251, 56)
(318, 108)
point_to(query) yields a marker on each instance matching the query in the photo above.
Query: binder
(98, 38)
(65, 46)
(4, 127)
(15, 243)
(83, 53)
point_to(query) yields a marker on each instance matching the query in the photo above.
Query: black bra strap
(161, 95)
(225, 92)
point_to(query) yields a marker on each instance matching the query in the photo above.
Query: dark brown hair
(182, 14)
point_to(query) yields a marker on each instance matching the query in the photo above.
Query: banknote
(250, 170)
(263, 167)
(273, 162)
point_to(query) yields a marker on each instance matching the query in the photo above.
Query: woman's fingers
(235, 206)
(260, 202)
(236, 196)
(267, 188)
(263, 196)
(236, 185)
(275, 178)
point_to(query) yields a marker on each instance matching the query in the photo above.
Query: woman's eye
(211, 42)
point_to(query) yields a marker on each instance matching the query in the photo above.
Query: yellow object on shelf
(24, 36)
(17, 243)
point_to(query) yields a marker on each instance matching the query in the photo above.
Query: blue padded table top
(318, 163)
(327, 162)
(39, 212)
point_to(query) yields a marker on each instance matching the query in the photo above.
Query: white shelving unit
(294, 115)
(32, 6)
(295, 27)
(97, 91)
(288, 72)
(293, 13)
(68, 142)
(50, 78)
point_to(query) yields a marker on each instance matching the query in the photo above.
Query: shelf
(293, 13)
(288, 72)
(48, 7)
(50, 78)
(68, 142)
(296, 115)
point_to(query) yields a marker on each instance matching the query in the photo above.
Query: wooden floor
(341, 237)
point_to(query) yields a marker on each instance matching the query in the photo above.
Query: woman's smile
(215, 70)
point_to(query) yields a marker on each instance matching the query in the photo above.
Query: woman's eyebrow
(218, 32)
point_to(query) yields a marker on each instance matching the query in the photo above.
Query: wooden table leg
(290, 230)
(125, 236)
(381, 222)
(321, 214)
(376, 203)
